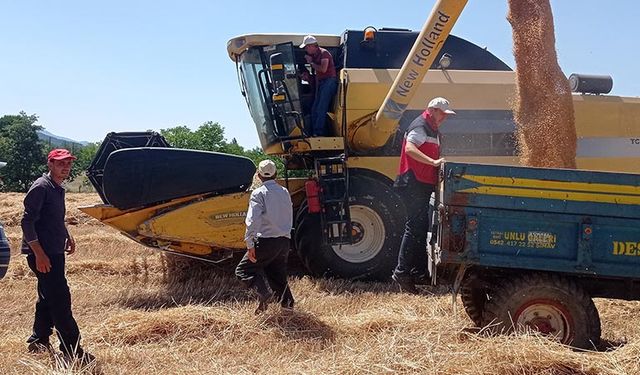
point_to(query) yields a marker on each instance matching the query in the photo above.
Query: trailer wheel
(474, 293)
(377, 216)
(552, 305)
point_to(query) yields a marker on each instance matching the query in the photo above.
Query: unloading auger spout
(374, 130)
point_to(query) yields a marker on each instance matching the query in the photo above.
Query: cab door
(284, 98)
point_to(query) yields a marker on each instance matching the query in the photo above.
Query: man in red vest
(417, 178)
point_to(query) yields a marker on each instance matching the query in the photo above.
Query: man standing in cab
(326, 83)
(416, 181)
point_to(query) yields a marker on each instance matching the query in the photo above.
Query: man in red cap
(45, 242)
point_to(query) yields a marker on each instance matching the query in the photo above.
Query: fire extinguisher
(312, 187)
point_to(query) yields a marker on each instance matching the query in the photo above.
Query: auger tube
(374, 132)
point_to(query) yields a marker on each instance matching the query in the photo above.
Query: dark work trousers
(270, 269)
(53, 308)
(412, 258)
(324, 95)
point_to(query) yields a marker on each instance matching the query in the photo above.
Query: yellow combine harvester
(383, 85)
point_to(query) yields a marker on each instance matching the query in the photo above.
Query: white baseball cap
(441, 104)
(2, 164)
(267, 168)
(309, 39)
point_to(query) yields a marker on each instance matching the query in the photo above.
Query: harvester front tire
(377, 215)
(549, 304)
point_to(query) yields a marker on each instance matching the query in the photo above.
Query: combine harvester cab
(184, 201)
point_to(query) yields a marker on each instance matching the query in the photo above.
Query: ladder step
(334, 160)
(333, 175)
(334, 201)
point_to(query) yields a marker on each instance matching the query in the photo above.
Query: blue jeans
(326, 91)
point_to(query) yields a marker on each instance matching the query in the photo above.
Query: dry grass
(136, 322)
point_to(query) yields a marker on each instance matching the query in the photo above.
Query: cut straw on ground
(138, 319)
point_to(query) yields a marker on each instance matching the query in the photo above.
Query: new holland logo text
(229, 215)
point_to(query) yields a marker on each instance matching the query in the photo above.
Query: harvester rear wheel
(376, 215)
(549, 304)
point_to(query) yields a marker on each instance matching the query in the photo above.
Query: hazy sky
(88, 67)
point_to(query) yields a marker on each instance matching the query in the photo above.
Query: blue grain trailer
(530, 247)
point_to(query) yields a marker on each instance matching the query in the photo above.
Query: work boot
(406, 284)
(287, 304)
(263, 302)
(39, 347)
(264, 294)
(422, 279)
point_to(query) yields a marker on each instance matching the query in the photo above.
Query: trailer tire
(379, 216)
(549, 304)
(474, 293)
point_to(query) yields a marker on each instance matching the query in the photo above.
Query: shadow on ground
(339, 286)
(215, 290)
(298, 325)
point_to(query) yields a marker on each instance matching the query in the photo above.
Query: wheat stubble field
(137, 319)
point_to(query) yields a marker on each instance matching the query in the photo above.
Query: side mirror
(276, 61)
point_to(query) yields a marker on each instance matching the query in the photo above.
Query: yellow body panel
(386, 165)
(560, 190)
(195, 225)
(216, 222)
(128, 221)
(608, 127)
(607, 116)
(306, 145)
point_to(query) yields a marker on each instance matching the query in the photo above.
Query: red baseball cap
(60, 154)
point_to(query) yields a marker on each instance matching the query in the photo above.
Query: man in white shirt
(268, 236)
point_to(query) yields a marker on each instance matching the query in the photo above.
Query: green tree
(257, 155)
(85, 156)
(233, 148)
(180, 137)
(22, 150)
(210, 137)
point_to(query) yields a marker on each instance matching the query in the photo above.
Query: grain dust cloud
(543, 109)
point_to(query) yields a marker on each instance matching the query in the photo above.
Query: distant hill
(56, 141)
